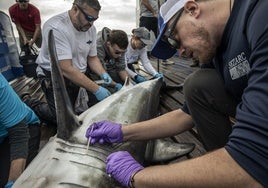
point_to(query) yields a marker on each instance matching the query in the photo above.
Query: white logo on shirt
(239, 66)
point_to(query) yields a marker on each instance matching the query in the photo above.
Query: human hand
(30, 43)
(105, 131)
(158, 75)
(25, 40)
(101, 93)
(122, 166)
(139, 79)
(118, 86)
(107, 79)
(9, 184)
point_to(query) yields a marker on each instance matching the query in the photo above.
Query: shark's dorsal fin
(67, 121)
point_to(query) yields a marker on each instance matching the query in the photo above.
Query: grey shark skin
(64, 161)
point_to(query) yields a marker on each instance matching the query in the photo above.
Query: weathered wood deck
(175, 74)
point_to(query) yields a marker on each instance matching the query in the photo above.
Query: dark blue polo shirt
(242, 60)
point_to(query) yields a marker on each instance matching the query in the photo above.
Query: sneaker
(167, 62)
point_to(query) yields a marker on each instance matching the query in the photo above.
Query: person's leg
(41, 109)
(153, 26)
(72, 91)
(142, 22)
(149, 23)
(46, 85)
(210, 107)
(4, 162)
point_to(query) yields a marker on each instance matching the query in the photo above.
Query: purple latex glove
(122, 166)
(105, 131)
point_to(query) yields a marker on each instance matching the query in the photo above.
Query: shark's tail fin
(67, 121)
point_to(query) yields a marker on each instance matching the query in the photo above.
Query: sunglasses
(119, 52)
(22, 1)
(143, 44)
(168, 35)
(88, 17)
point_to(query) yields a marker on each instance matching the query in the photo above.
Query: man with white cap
(137, 50)
(231, 36)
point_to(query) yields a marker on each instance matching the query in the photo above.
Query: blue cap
(161, 49)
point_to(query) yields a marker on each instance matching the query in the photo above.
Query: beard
(80, 27)
(84, 28)
(206, 47)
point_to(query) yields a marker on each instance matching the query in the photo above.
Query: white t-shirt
(145, 12)
(70, 43)
(132, 56)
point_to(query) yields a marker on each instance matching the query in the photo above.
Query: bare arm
(36, 34)
(169, 124)
(22, 33)
(16, 168)
(216, 169)
(96, 66)
(76, 76)
(149, 7)
(123, 75)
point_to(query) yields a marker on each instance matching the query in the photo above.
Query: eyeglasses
(22, 1)
(168, 35)
(87, 16)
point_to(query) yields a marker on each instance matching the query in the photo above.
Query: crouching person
(19, 135)
(111, 48)
(137, 51)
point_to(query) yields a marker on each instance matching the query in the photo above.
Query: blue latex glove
(118, 86)
(122, 166)
(107, 79)
(9, 184)
(158, 75)
(102, 93)
(105, 131)
(139, 79)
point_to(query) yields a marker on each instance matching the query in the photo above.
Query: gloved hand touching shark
(120, 165)
(105, 132)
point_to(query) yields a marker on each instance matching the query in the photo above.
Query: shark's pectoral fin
(164, 151)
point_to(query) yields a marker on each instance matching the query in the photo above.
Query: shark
(66, 160)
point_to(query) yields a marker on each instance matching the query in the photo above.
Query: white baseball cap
(162, 49)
